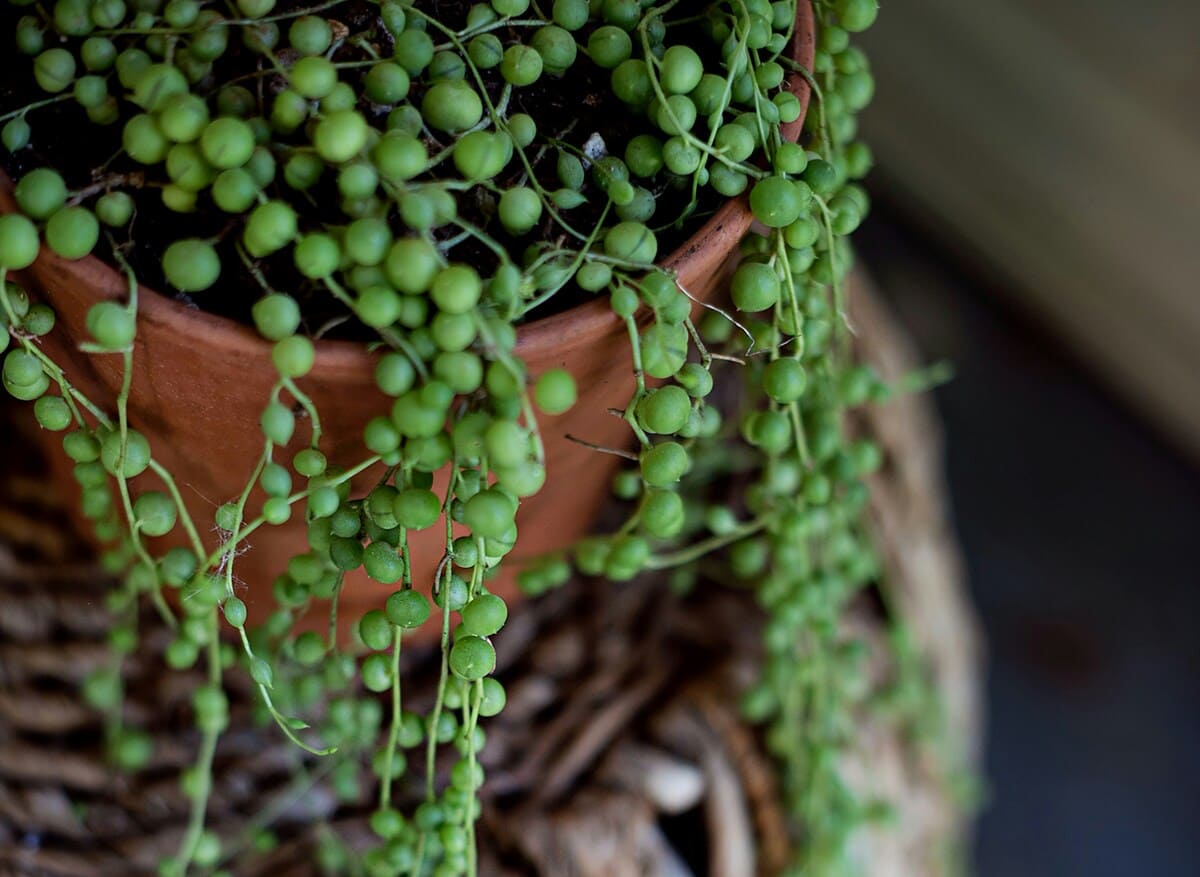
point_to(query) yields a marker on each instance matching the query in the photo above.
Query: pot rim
(540, 337)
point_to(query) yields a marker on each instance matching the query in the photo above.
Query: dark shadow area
(1077, 525)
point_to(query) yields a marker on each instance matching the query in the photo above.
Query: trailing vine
(369, 170)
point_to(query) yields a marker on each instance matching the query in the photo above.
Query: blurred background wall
(1037, 224)
(1058, 142)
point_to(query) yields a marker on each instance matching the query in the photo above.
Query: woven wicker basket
(620, 753)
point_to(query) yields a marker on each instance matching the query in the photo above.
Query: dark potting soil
(574, 109)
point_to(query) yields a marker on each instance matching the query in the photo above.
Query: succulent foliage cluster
(380, 166)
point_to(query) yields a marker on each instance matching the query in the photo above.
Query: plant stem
(385, 787)
(204, 761)
(707, 546)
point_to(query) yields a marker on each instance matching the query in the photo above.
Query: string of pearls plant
(369, 157)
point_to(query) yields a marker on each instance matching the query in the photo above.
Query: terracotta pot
(200, 382)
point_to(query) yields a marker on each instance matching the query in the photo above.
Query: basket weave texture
(621, 752)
